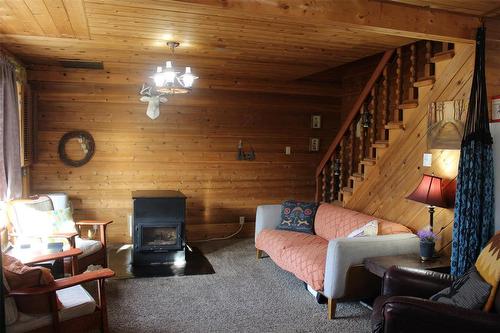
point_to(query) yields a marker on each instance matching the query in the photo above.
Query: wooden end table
(379, 265)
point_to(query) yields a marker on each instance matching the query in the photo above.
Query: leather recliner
(404, 306)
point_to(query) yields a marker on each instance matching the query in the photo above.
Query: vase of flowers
(427, 243)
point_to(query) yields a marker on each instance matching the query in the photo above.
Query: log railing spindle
(399, 67)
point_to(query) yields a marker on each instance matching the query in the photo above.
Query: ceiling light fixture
(168, 81)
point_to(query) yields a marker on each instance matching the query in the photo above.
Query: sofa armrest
(401, 281)
(343, 253)
(409, 314)
(267, 217)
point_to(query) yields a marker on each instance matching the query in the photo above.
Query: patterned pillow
(488, 266)
(298, 216)
(61, 220)
(469, 291)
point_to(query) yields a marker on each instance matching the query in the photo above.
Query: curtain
(10, 159)
(474, 223)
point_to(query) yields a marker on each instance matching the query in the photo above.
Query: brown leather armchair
(405, 306)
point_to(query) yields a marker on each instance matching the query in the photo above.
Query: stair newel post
(384, 101)
(323, 185)
(429, 66)
(372, 108)
(332, 177)
(413, 92)
(397, 93)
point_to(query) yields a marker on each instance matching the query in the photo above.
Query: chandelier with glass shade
(169, 81)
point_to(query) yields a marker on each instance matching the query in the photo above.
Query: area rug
(120, 261)
(245, 295)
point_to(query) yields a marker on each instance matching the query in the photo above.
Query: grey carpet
(244, 295)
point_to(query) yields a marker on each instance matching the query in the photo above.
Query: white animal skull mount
(153, 99)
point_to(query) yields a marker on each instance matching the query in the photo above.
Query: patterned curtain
(474, 223)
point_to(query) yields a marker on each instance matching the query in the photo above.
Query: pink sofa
(324, 259)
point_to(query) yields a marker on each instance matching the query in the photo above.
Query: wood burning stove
(158, 227)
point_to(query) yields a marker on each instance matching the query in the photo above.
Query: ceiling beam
(386, 18)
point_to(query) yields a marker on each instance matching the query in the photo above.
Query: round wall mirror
(76, 148)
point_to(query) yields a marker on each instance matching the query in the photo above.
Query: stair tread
(409, 104)
(347, 189)
(382, 141)
(425, 81)
(395, 125)
(441, 56)
(369, 161)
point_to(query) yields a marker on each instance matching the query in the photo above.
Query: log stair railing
(376, 119)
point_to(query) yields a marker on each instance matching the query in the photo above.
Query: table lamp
(429, 192)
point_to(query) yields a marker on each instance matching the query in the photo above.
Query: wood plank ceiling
(216, 43)
(487, 8)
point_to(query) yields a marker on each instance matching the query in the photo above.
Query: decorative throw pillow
(369, 229)
(18, 275)
(469, 291)
(61, 220)
(297, 216)
(488, 266)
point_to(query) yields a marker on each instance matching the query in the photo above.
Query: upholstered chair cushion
(75, 302)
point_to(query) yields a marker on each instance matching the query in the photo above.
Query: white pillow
(369, 229)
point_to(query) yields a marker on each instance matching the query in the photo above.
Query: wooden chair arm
(92, 222)
(73, 252)
(65, 283)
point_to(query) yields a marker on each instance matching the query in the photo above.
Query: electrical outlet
(427, 160)
(242, 220)
(288, 150)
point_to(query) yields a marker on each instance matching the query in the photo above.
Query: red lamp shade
(429, 192)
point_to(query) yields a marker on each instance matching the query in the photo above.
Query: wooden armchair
(93, 251)
(77, 311)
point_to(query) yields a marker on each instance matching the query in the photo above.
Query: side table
(378, 265)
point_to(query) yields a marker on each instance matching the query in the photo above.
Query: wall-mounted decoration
(314, 144)
(316, 121)
(245, 156)
(153, 98)
(495, 109)
(446, 123)
(87, 145)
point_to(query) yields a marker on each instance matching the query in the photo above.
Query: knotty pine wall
(400, 170)
(191, 147)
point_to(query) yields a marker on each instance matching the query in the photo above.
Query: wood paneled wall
(400, 169)
(191, 147)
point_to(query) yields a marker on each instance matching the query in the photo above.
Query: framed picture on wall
(495, 109)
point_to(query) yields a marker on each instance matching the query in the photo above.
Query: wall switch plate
(242, 219)
(427, 162)
(288, 150)
(314, 144)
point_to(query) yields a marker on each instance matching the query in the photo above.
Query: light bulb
(187, 79)
(169, 73)
(158, 77)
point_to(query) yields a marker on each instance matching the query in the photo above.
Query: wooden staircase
(378, 116)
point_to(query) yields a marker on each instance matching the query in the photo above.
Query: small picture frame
(316, 121)
(314, 144)
(495, 109)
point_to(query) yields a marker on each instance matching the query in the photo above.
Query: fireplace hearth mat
(120, 261)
